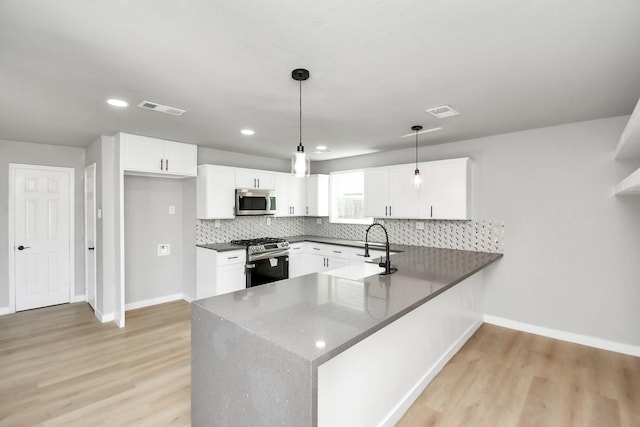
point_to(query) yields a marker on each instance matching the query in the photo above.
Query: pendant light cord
(416, 150)
(300, 113)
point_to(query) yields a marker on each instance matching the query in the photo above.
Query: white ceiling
(375, 66)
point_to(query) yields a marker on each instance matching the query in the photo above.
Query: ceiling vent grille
(148, 105)
(443, 111)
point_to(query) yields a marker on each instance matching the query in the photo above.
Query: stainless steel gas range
(267, 260)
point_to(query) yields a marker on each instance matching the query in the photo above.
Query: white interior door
(42, 236)
(90, 233)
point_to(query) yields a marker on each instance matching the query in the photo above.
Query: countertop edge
(355, 340)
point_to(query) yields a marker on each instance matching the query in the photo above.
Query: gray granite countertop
(318, 316)
(221, 247)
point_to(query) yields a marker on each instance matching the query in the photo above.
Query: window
(347, 198)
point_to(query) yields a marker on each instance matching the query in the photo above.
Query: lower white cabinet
(323, 257)
(219, 272)
(297, 254)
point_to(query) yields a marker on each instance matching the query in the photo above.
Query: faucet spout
(388, 269)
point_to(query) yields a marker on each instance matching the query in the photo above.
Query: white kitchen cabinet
(446, 189)
(323, 257)
(252, 178)
(389, 192)
(219, 272)
(317, 195)
(290, 195)
(215, 193)
(153, 156)
(297, 254)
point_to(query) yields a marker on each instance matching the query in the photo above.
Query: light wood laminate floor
(60, 366)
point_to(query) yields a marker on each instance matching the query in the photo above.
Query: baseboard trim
(413, 394)
(153, 301)
(5, 310)
(104, 318)
(631, 350)
(78, 298)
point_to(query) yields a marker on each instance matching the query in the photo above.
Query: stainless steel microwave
(255, 202)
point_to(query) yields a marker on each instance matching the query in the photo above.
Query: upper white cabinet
(446, 189)
(290, 195)
(153, 156)
(389, 192)
(251, 178)
(317, 195)
(629, 148)
(445, 192)
(215, 192)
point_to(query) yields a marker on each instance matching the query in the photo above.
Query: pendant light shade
(417, 179)
(300, 162)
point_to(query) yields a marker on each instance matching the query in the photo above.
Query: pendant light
(417, 179)
(300, 162)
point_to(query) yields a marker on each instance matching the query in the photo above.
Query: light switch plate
(99, 213)
(319, 221)
(268, 221)
(164, 249)
(216, 223)
(419, 225)
(172, 210)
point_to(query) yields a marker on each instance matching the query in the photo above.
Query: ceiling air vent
(161, 108)
(442, 111)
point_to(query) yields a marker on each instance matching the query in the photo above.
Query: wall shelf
(629, 148)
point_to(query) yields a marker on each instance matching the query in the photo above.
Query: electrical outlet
(164, 249)
(172, 210)
(216, 223)
(268, 221)
(419, 225)
(319, 221)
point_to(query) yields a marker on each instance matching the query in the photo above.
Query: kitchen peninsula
(344, 347)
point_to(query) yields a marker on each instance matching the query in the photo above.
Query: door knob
(91, 249)
(21, 248)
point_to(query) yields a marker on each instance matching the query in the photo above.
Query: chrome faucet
(387, 263)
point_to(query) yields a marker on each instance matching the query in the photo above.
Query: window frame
(332, 200)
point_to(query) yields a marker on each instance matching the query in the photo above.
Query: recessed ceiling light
(422, 131)
(443, 111)
(117, 102)
(247, 132)
(321, 147)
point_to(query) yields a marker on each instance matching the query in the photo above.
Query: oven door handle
(268, 255)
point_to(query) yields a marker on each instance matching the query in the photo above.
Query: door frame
(11, 248)
(86, 243)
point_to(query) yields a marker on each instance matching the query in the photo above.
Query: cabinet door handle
(337, 252)
(389, 210)
(316, 249)
(166, 164)
(385, 210)
(258, 182)
(232, 257)
(161, 164)
(431, 211)
(22, 248)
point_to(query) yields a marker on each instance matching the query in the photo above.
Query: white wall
(148, 223)
(571, 247)
(226, 158)
(48, 155)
